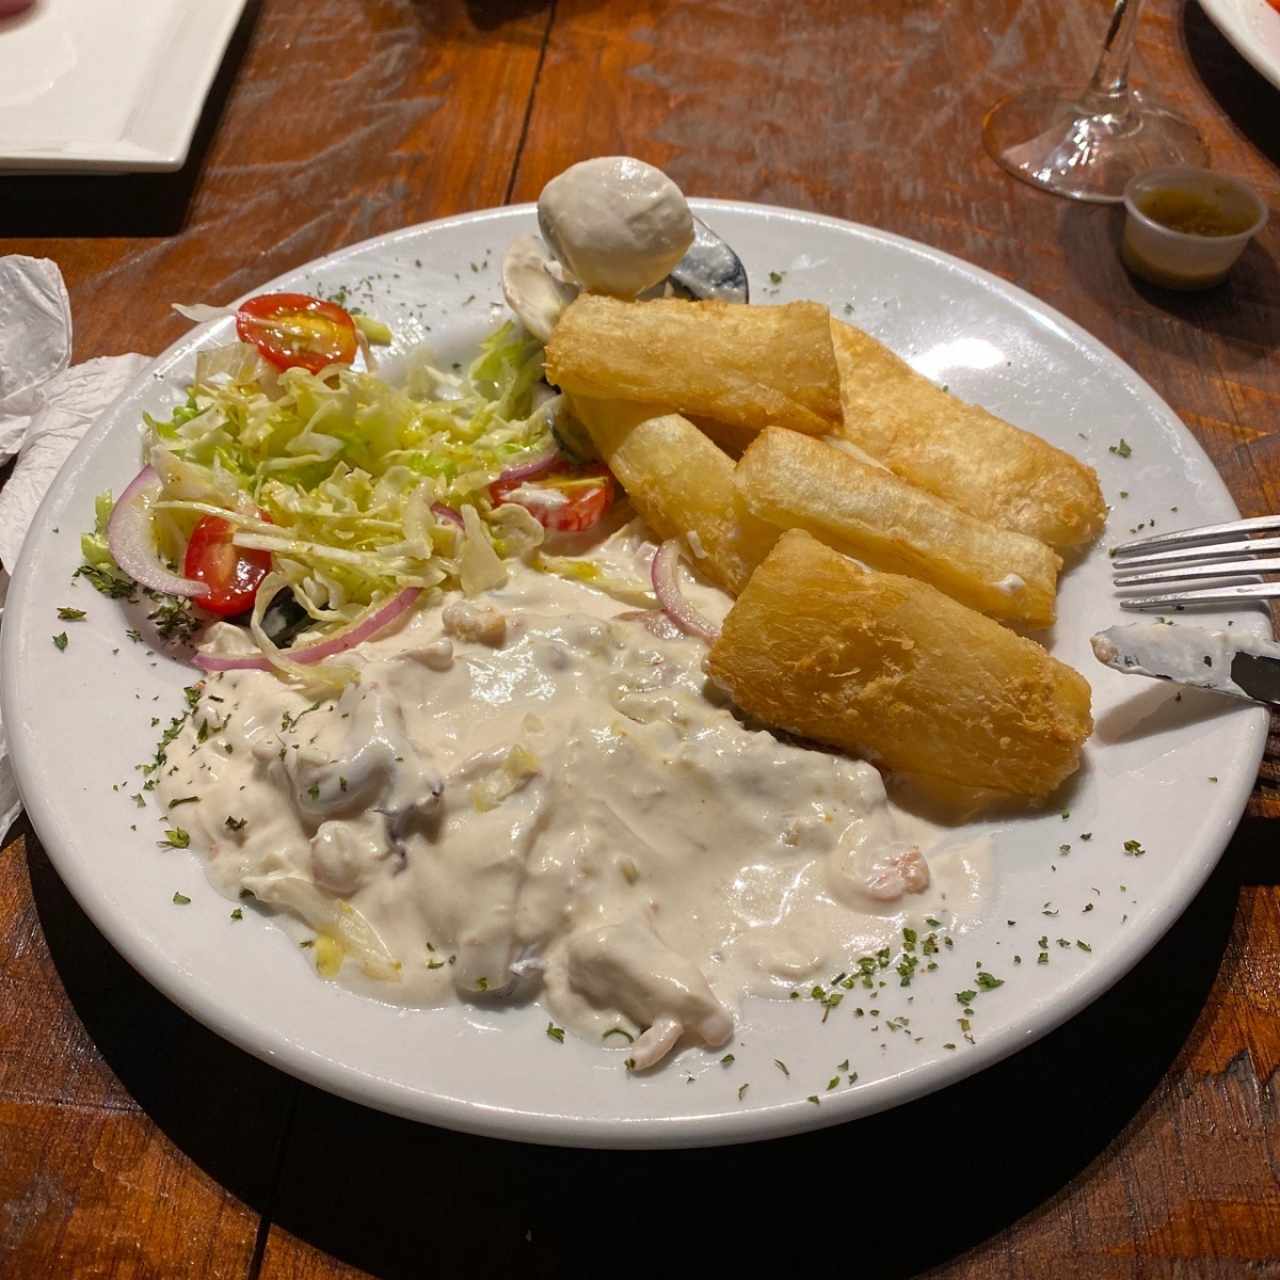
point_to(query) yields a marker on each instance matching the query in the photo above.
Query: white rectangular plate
(99, 86)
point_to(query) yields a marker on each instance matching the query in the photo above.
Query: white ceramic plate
(1253, 26)
(79, 720)
(107, 85)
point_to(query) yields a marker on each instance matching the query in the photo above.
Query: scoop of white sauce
(616, 224)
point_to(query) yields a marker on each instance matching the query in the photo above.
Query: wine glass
(1088, 144)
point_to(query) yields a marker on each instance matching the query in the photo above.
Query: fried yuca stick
(681, 483)
(746, 366)
(795, 481)
(960, 452)
(893, 670)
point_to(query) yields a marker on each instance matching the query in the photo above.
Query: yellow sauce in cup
(1193, 213)
(1185, 228)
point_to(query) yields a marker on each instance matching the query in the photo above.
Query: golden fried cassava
(891, 669)
(795, 481)
(960, 452)
(747, 366)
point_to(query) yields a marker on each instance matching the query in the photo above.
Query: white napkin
(45, 408)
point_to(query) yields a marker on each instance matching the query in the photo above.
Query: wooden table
(1142, 1139)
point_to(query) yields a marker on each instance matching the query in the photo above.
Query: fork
(1211, 553)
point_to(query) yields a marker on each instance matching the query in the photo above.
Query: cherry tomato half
(578, 497)
(294, 330)
(233, 574)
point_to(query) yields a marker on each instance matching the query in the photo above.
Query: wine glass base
(1085, 145)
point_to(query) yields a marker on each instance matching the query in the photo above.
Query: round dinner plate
(1171, 772)
(1253, 26)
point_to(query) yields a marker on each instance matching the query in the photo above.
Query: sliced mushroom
(535, 295)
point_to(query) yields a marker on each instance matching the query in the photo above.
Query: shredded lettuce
(337, 473)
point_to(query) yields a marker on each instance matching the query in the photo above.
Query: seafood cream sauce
(536, 791)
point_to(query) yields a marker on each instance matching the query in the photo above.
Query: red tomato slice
(233, 574)
(587, 492)
(294, 330)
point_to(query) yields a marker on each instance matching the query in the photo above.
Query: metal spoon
(711, 269)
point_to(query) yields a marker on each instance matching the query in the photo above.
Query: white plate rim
(1236, 20)
(468, 1116)
(202, 33)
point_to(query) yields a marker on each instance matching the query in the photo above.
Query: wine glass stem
(1111, 78)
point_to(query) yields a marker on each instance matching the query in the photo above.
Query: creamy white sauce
(1189, 655)
(616, 224)
(1010, 584)
(523, 795)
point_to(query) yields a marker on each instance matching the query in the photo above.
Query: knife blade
(1241, 666)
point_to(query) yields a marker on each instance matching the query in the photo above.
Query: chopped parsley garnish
(966, 997)
(288, 722)
(482, 984)
(1084, 946)
(173, 617)
(60, 640)
(135, 635)
(237, 914)
(1134, 847)
(1121, 450)
(235, 824)
(314, 791)
(68, 614)
(813, 1097)
(742, 1088)
(557, 1034)
(775, 277)
(987, 982)
(176, 838)
(727, 1060)
(180, 899)
(110, 582)
(173, 804)
(782, 1066)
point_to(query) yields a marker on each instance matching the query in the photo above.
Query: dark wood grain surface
(1141, 1139)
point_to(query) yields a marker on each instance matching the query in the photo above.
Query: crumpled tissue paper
(46, 406)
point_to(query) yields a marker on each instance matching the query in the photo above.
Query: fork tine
(1189, 554)
(1178, 600)
(1205, 533)
(1185, 573)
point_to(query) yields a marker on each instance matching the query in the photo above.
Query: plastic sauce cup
(1184, 228)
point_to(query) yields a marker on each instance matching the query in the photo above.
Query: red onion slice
(447, 513)
(130, 538)
(666, 583)
(373, 622)
(531, 470)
